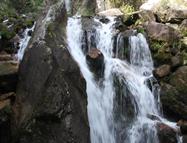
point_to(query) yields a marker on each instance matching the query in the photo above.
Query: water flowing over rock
(86, 79)
(118, 107)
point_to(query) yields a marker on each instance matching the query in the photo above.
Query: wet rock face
(95, 61)
(166, 134)
(51, 104)
(51, 98)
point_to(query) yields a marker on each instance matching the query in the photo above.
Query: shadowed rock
(95, 61)
(166, 134)
(183, 127)
(51, 94)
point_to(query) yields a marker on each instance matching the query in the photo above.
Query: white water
(24, 42)
(133, 75)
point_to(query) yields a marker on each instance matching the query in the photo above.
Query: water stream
(24, 42)
(119, 109)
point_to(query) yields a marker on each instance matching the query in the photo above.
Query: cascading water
(119, 109)
(24, 42)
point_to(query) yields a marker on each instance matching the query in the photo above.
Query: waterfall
(121, 103)
(24, 42)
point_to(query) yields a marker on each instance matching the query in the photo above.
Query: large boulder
(161, 32)
(174, 95)
(51, 103)
(166, 134)
(167, 11)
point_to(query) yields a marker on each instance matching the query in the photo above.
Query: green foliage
(157, 45)
(184, 32)
(116, 3)
(25, 6)
(127, 9)
(5, 33)
(141, 30)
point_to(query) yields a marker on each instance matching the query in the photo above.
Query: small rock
(162, 71)
(153, 117)
(95, 60)
(30, 33)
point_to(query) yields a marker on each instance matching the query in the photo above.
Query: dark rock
(30, 33)
(179, 80)
(153, 117)
(95, 61)
(5, 123)
(131, 19)
(176, 61)
(56, 99)
(51, 103)
(184, 139)
(174, 51)
(173, 95)
(166, 134)
(183, 127)
(173, 102)
(8, 76)
(162, 71)
(104, 20)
